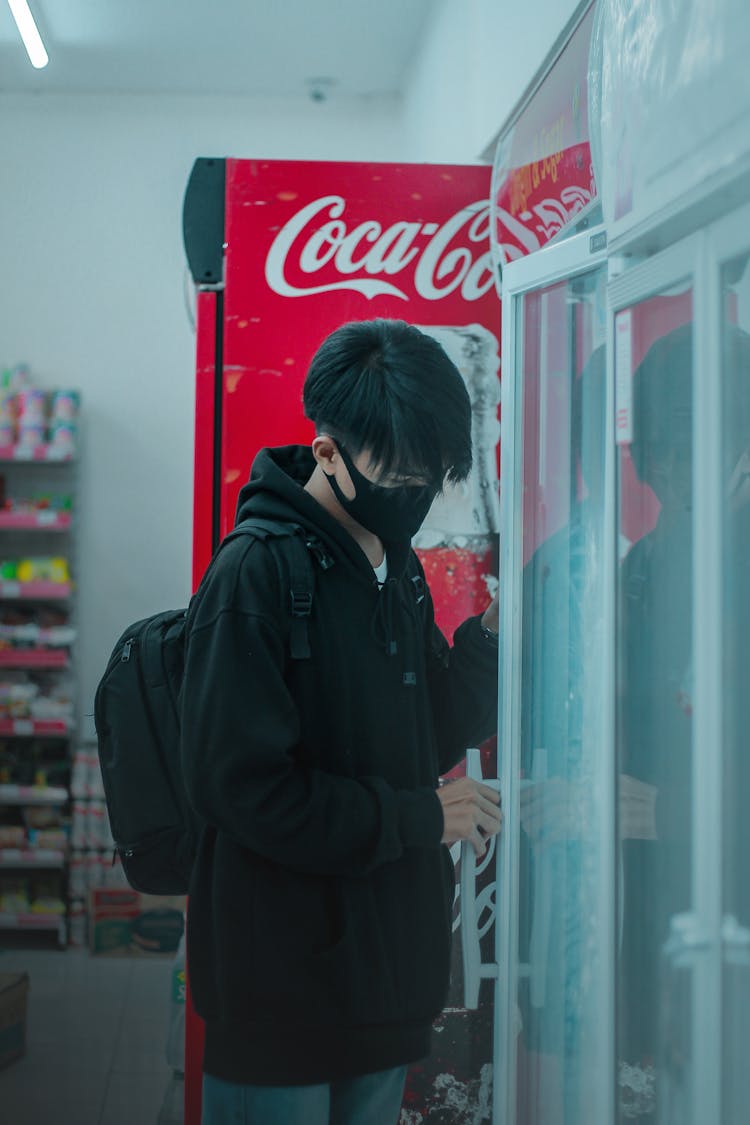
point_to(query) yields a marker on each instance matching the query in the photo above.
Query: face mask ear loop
(348, 462)
(334, 484)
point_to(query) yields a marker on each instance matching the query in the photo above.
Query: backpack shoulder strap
(301, 590)
(300, 579)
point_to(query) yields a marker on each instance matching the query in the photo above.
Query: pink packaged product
(65, 406)
(31, 417)
(31, 434)
(31, 407)
(63, 436)
(7, 419)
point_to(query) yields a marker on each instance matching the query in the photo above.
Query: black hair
(663, 403)
(387, 387)
(663, 400)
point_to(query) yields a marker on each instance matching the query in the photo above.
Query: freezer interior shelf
(33, 795)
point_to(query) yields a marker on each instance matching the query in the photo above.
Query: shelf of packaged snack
(33, 795)
(34, 728)
(35, 591)
(44, 520)
(37, 638)
(18, 858)
(30, 921)
(27, 454)
(31, 658)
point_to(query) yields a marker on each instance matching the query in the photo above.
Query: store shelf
(48, 454)
(21, 639)
(44, 520)
(48, 638)
(33, 795)
(29, 921)
(35, 591)
(34, 658)
(34, 728)
(31, 858)
(37, 638)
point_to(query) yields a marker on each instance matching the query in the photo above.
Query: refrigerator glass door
(554, 762)
(735, 510)
(666, 739)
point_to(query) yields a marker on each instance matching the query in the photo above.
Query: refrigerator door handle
(472, 907)
(735, 941)
(686, 941)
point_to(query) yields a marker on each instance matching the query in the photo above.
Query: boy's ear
(325, 452)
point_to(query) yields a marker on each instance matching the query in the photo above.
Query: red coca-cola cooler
(282, 253)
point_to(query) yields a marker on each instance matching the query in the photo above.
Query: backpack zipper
(316, 548)
(126, 650)
(123, 852)
(127, 851)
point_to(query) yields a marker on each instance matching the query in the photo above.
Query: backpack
(137, 719)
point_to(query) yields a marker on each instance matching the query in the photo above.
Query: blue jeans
(373, 1099)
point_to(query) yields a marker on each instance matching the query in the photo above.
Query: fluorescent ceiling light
(32, 40)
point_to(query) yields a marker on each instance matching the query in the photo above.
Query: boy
(320, 904)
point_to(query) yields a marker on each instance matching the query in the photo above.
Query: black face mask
(393, 514)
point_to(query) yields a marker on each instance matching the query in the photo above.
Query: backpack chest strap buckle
(302, 601)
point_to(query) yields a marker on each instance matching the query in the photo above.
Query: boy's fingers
(490, 825)
(486, 806)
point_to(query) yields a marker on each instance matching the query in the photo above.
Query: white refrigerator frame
(578, 255)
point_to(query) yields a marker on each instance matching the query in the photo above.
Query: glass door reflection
(735, 375)
(561, 895)
(654, 378)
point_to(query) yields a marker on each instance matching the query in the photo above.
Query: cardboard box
(125, 923)
(14, 989)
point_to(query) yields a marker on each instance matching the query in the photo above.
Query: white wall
(93, 276)
(476, 61)
(93, 267)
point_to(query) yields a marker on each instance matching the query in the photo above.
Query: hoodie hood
(276, 491)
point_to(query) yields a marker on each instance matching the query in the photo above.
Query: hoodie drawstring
(381, 626)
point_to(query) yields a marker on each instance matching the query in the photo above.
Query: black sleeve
(463, 686)
(240, 729)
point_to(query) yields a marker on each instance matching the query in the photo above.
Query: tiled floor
(97, 1032)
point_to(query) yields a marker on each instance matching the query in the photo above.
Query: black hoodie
(319, 922)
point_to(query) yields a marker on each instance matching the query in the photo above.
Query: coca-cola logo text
(443, 258)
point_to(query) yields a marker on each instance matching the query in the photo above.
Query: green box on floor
(14, 989)
(125, 923)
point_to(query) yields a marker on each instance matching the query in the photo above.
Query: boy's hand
(470, 812)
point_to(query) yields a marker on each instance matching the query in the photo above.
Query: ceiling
(236, 47)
